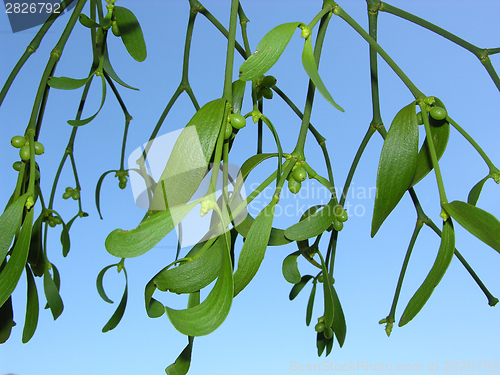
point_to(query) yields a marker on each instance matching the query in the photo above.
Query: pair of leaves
(130, 31)
(400, 166)
(207, 316)
(269, 50)
(65, 83)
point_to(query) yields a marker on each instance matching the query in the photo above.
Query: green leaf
(131, 33)
(32, 308)
(6, 320)
(290, 269)
(276, 238)
(478, 222)
(206, 317)
(440, 131)
(339, 326)
(313, 225)
(476, 191)
(51, 289)
(398, 161)
(10, 221)
(87, 22)
(268, 51)
(111, 72)
(98, 191)
(253, 250)
(190, 157)
(311, 68)
(65, 240)
(154, 308)
(120, 309)
(310, 305)
(135, 242)
(99, 283)
(183, 361)
(443, 260)
(89, 119)
(253, 162)
(297, 288)
(328, 294)
(320, 343)
(10, 274)
(238, 94)
(195, 273)
(65, 83)
(36, 258)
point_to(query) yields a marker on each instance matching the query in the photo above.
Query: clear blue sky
(264, 333)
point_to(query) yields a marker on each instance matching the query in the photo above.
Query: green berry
(37, 174)
(228, 131)
(123, 179)
(267, 93)
(320, 278)
(122, 185)
(341, 215)
(39, 149)
(420, 119)
(299, 174)
(328, 333)
(294, 186)
(18, 141)
(57, 220)
(320, 327)
(17, 165)
(115, 29)
(52, 224)
(69, 190)
(338, 225)
(75, 195)
(67, 195)
(24, 152)
(268, 81)
(237, 121)
(438, 113)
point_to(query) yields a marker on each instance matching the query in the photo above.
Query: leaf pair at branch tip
(269, 51)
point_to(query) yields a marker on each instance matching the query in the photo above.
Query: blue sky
(264, 332)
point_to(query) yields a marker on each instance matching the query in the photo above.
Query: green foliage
(203, 152)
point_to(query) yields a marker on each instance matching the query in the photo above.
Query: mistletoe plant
(203, 151)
